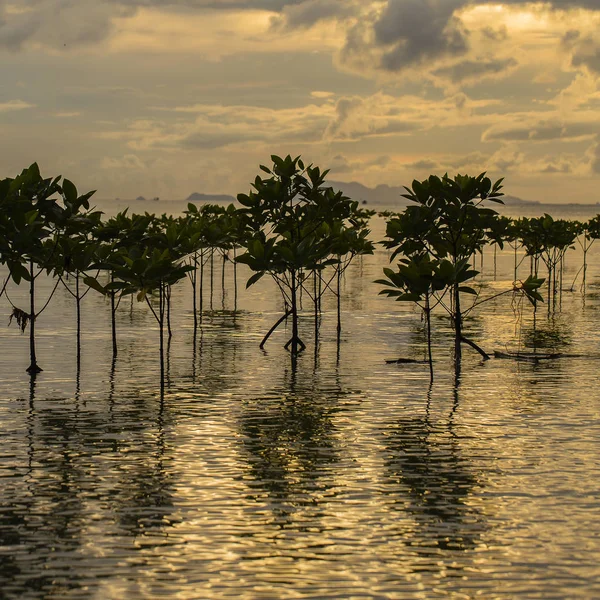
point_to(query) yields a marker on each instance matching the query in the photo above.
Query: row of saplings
(291, 226)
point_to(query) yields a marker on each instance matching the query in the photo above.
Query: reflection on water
(334, 476)
(289, 442)
(433, 482)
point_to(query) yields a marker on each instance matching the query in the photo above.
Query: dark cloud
(412, 31)
(587, 54)
(552, 168)
(496, 35)
(68, 23)
(424, 164)
(474, 70)
(405, 32)
(543, 131)
(409, 33)
(57, 23)
(274, 5)
(309, 12)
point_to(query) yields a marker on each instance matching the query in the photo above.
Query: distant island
(392, 195)
(196, 197)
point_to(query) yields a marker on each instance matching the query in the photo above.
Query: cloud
(218, 126)
(587, 54)
(412, 31)
(67, 114)
(13, 105)
(343, 164)
(322, 95)
(64, 24)
(545, 129)
(309, 12)
(128, 161)
(57, 24)
(594, 158)
(424, 164)
(475, 70)
(377, 115)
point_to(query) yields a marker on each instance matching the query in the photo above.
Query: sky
(164, 98)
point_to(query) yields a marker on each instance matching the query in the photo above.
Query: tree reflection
(43, 511)
(215, 364)
(290, 442)
(431, 479)
(80, 468)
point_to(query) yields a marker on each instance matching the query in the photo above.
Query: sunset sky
(165, 98)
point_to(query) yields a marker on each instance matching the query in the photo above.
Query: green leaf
(467, 290)
(94, 284)
(254, 279)
(70, 191)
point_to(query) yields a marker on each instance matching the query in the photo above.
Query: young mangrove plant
(76, 250)
(148, 273)
(116, 236)
(283, 240)
(588, 233)
(417, 280)
(548, 239)
(35, 212)
(448, 223)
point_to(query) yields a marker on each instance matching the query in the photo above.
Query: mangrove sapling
(116, 236)
(283, 241)
(76, 254)
(194, 246)
(147, 273)
(342, 235)
(549, 239)
(449, 223)
(76, 266)
(417, 280)
(169, 234)
(31, 228)
(501, 231)
(588, 233)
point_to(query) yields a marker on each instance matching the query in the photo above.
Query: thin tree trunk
(316, 303)
(549, 286)
(560, 282)
(195, 291)
(495, 261)
(113, 310)
(201, 283)
(161, 320)
(320, 291)
(235, 290)
(168, 307)
(428, 324)
(78, 304)
(554, 266)
(294, 315)
(457, 327)
(212, 278)
(223, 282)
(339, 307)
(33, 366)
(585, 251)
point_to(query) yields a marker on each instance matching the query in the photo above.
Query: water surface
(334, 476)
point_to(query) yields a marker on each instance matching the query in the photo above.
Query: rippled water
(338, 476)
